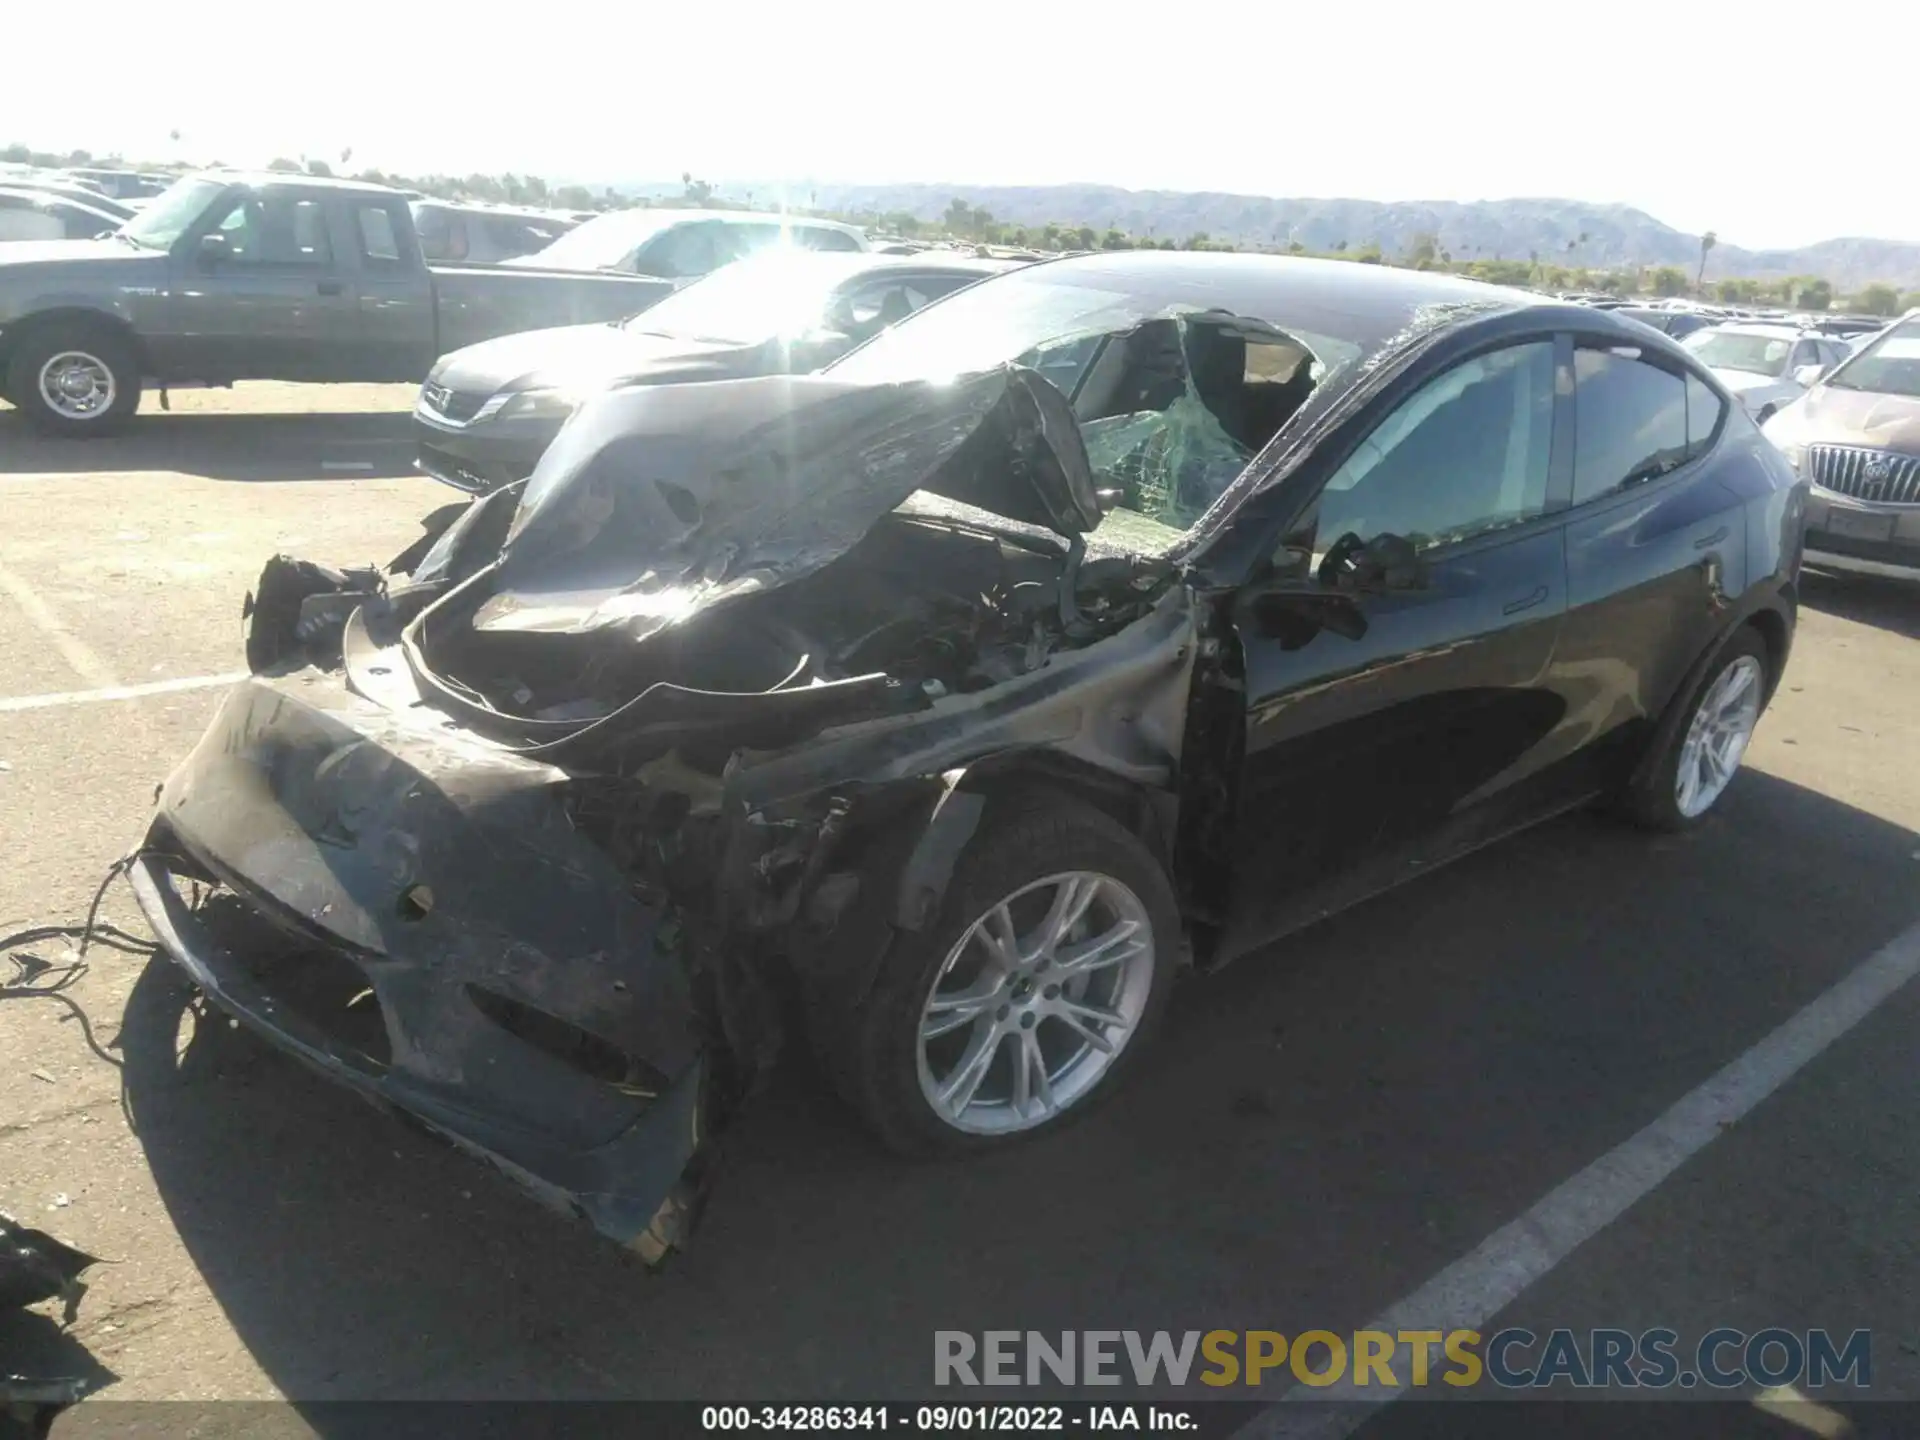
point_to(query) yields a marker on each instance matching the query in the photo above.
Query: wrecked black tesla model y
(1107, 619)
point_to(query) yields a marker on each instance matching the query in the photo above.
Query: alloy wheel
(1717, 736)
(76, 385)
(1035, 1002)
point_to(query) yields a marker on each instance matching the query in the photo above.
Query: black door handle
(1714, 539)
(1525, 602)
(331, 287)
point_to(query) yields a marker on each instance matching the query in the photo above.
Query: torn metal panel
(1119, 704)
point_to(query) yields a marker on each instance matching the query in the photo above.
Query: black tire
(112, 350)
(1652, 799)
(1018, 843)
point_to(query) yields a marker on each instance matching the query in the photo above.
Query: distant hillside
(1566, 232)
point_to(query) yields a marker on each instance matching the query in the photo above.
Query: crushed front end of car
(546, 834)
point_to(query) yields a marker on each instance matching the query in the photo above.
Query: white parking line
(119, 692)
(1476, 1287)
(346, 464)
(72, 648)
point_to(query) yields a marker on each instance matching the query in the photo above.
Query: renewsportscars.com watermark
(1512, 1359)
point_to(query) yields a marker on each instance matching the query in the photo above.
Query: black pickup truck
(231, 277)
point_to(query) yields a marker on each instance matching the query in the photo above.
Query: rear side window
(510, 236)
(1630, 422)
(443, 234)
(681, 253)
(379, 245)
(812, 238)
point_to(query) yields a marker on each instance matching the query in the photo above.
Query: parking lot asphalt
(1321, 1130)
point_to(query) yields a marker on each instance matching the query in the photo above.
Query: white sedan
(1766, 366)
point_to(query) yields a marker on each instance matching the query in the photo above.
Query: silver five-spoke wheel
(77, 385)
(1717, 736)
(1035, 1002)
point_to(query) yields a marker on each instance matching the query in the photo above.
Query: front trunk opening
(937, 609)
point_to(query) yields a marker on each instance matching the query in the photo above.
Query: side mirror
(213, 249)
(1293, 617)
(1809, 375)
(1373, 567)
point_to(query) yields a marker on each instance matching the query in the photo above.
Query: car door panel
(1390, 727)
(392, 323)
(273, 309)
(1649, 572)
(1359, 748)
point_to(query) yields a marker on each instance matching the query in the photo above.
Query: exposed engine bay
(939, 608)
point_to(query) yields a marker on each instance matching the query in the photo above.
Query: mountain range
(1565, 232)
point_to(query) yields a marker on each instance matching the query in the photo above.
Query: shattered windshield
(1172, 401)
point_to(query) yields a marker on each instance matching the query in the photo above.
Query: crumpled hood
(655, 502)
(1831, 416)
(573, 357)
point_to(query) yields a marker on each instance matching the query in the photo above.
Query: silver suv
(1856, 436)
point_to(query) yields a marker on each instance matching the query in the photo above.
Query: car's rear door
(1655, 545)
(1376, 720)
(393, 327)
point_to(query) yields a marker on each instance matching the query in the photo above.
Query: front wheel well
(78, 317)
(1146, 813)
(1772, 629)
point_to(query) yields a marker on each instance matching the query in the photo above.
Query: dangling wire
(36, 978)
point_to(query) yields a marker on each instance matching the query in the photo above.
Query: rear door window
(1630, 421)
(379, 243)
(276, 229)
(682, 252)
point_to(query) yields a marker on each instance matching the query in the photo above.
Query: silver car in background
(1856, 436)
(1766, 366)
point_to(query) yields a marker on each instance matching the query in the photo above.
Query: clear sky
(1772, 123)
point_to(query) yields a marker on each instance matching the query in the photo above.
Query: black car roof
(1364, 304)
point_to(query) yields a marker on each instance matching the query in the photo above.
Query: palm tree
(1707, 242)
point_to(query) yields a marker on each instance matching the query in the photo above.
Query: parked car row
(31, 214)
(1766, 366)
(1100, 619)
(488, 413)
(231, 277)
